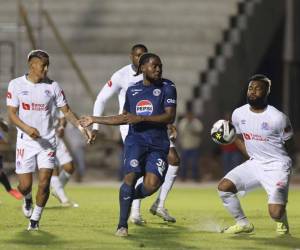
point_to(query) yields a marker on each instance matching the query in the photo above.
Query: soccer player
(3, 178)
(30, 100)
(266, 134)
(64, 161)
(150, 105)
(120, 81)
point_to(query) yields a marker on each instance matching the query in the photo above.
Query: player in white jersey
(266, 134)
(30, 100)
(64, 163)
(118, 84)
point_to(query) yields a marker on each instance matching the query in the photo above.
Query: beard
(258, 103)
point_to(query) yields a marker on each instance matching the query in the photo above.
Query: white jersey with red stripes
(36, 102)
(264, 133)
(118, 84)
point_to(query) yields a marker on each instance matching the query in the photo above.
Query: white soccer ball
(223, 132)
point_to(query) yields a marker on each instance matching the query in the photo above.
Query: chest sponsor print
(144, 108)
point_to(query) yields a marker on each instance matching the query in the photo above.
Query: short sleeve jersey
(264, 133)
(35, 103)
(148, 101)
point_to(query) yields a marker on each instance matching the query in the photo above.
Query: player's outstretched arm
(241, 146)
(12, 114)
(167, 117)
(71, 117)
(86, 121)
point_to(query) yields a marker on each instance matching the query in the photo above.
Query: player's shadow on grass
(57, 207)
(281, 240)
(36, 238)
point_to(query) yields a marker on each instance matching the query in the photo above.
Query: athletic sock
(4, 180)
(232, 203)
(136, 204)
(167, 185)
(28, 200)
(37, 213)
(58, 188)
(125, 200)
(64, 177)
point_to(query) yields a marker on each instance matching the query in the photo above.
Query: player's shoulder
(136, 85)
(17, 81)
(276, 113)
(123, 71)
(168, 83)
(241, 110)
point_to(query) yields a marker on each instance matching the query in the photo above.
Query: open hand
(86, 121)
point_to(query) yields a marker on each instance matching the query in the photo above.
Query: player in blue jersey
(149, 107)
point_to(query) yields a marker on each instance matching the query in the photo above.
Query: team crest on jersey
(265, 126)
(156, 92)
(47, 93)
(134, 163)
(144, 108)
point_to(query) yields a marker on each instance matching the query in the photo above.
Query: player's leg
(276, 184)
(44, 177)
(240, 179)
(135, 216)
(57, 188)
(25, 186)
(5, 182)
(158, 207)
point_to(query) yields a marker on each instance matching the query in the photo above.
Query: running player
(150, 105)
(64, 164)
(118, 84)
(266, 136)
(30, 100)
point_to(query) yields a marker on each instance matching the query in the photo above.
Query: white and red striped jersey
(118, 84)
(264, 133)
(36, 102)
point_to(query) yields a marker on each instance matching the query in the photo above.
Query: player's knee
(226, 185)
(69, 168)
(276, 211)
(150, 189)
(24, 189)
(44, 186)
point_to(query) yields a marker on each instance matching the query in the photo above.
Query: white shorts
(63, 155)
(34, 153)
(124, 131)
(273, 177)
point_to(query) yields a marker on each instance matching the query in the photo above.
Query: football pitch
(198, 211)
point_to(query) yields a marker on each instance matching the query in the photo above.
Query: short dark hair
(261, 78)
(37, 53)
(144, 59)
(139, 46)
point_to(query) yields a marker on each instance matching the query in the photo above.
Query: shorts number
(161, 165)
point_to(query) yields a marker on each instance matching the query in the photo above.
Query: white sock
(58, 188)
(37, 213)
(64, 177)
(232, 203)
(167, 185)
(136, 204)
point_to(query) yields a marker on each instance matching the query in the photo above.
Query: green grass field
(199, 214)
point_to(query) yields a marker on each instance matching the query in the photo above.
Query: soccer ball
(223, 132)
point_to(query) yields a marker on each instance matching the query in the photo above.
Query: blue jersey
(148, 101)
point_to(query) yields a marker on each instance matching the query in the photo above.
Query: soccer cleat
(237, 229)
(15, 193)
(137, 219)
(33, 225)
(69, 204)
(282, 228)
(27, 208)
(122, 232)
(162, 213)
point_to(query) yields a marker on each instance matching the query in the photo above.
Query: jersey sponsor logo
(144, 108)
(39, 107)
(173, 101)
(265, 126)
(8, 95)
(20, 153)
(250, 136)
(109, 83)
(134, 163)
(25, 106)
(156, 92)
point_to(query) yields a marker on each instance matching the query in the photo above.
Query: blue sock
(140, 192)
(125, 200)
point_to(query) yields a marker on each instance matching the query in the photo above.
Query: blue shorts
(141, 159)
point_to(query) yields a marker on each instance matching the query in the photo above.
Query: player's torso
(262, 134)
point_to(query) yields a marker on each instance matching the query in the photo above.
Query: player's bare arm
(239, 142)
(71, 117)
(167, 117)
(13, 116)
(172, 131)
(86, 121)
